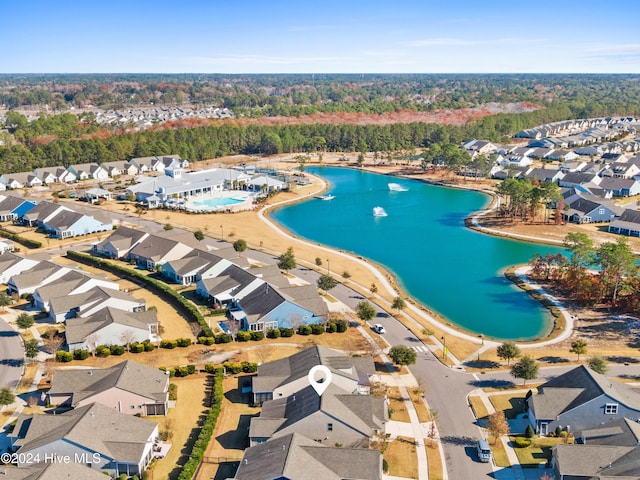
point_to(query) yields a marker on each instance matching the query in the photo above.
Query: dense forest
(260, 95)
(65, 139)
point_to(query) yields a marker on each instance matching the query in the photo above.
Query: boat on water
(396, 187)
(379, 212)
(325, 197)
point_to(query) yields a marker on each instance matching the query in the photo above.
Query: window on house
(330, 427)
(601, 211)
(611, 409)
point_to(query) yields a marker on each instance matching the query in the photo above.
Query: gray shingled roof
(586, 460)
(77, 329)
(286, 370)
(122, 238)
(298, 457)
(622, 432)
(52, 471)
(34, 276)
(129, 376)
(96, 427)
(154, 247)
(92, 296)
(42, 210)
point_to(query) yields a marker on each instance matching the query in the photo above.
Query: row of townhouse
(56, 220)
(93, 309)
(581, 126)
(87, 171)
(601, 413)
(258, 298)
(297, 426)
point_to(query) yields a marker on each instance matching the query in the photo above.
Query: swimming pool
(212, 204)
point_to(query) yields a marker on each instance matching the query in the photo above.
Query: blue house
(68, 223)
(12, 208)
(590, 210)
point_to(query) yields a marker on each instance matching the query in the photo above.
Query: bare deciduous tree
(52, 341)
(91, 341)
(127, 337)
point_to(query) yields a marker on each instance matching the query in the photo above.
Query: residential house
(282, 378)
(120, 242)
(12, 264)
(85, 171)
(49, 175)
(581, 399)
(128, 387)
(545, 175)
(147, 164)
(71, 283)
(20, 180)
(627, 224)
(265, 183)
(94, 435)
(111, 326)
(87, 303)
(12, 208)
(185, 270)
(621, 187)
(68, 223)
(573, 179)
(120, 168)
(295, 456)
(42, 212)
(334, 417)
(174, 161)
(575, 166)
(588, 209)
(27, 281)
(610, 452)
(621, 170)
(155, 250)
(479, 147)
(93, 195)
(562, 155)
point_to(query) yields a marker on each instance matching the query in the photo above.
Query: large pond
(455, 271)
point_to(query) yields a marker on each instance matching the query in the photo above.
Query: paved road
(11, 356)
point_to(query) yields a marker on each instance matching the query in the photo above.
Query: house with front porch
(12, 208)
(584, 208)
(147, 164)
(68, 224)
(20, 180)
(128, 387)
(85, 171)
(120, 167)
(155, 250)
(42, 212)
(185, 270)
(627, 224)
(111, 326)
(119, 443)
(12, 264)
(71, 283)
(621, 187)
(120, 242)
(580, 399)
(42, 273)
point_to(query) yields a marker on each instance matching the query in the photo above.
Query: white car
(378, 328)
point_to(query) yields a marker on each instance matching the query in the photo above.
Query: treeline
(605, 275)
(297, 94)
(223, 138)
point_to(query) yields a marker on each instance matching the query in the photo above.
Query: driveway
(11, 356)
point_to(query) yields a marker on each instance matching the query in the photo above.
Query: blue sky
(323, 36)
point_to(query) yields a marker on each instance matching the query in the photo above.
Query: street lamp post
(222, 232)
(481, 337)
(444, 347)
(328, 267)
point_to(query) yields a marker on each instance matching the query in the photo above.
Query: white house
(86, 304)
(12, 264)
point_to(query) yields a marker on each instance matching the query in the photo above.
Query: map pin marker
(322, 382)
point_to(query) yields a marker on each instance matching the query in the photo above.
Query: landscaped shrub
(209, 368)
(341, 326)
(103, 351)
(206, 340)
(286, 332)
(529, 432)
(117, 349)
(63, 356)
(201, 443)
(317, 329)
(522, 442)
(181, 371)
(224, 338)
(148, 346)
(191, 369)
(243, 336)
(237, 367)
(136, 347)
(332, 327)
(257, 336)
(27, 242)
(183, 342)
(558, 431)
(80, 354)
(249, 367)
(385, 466)
(173, 391)
(273, 333)
(168, 293)
(304, 330)
(168, 344)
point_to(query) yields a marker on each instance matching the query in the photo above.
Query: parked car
(378, 328)
(484, 452)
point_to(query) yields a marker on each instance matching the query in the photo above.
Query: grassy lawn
(230, 436)
(479, 407)
(539, 451)
(499, 454)
(511, 404)
(515, 386)
(401, 457)
(182, 421)
(418, 403)
(396, 405)
(27, 378)
(435, 462)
